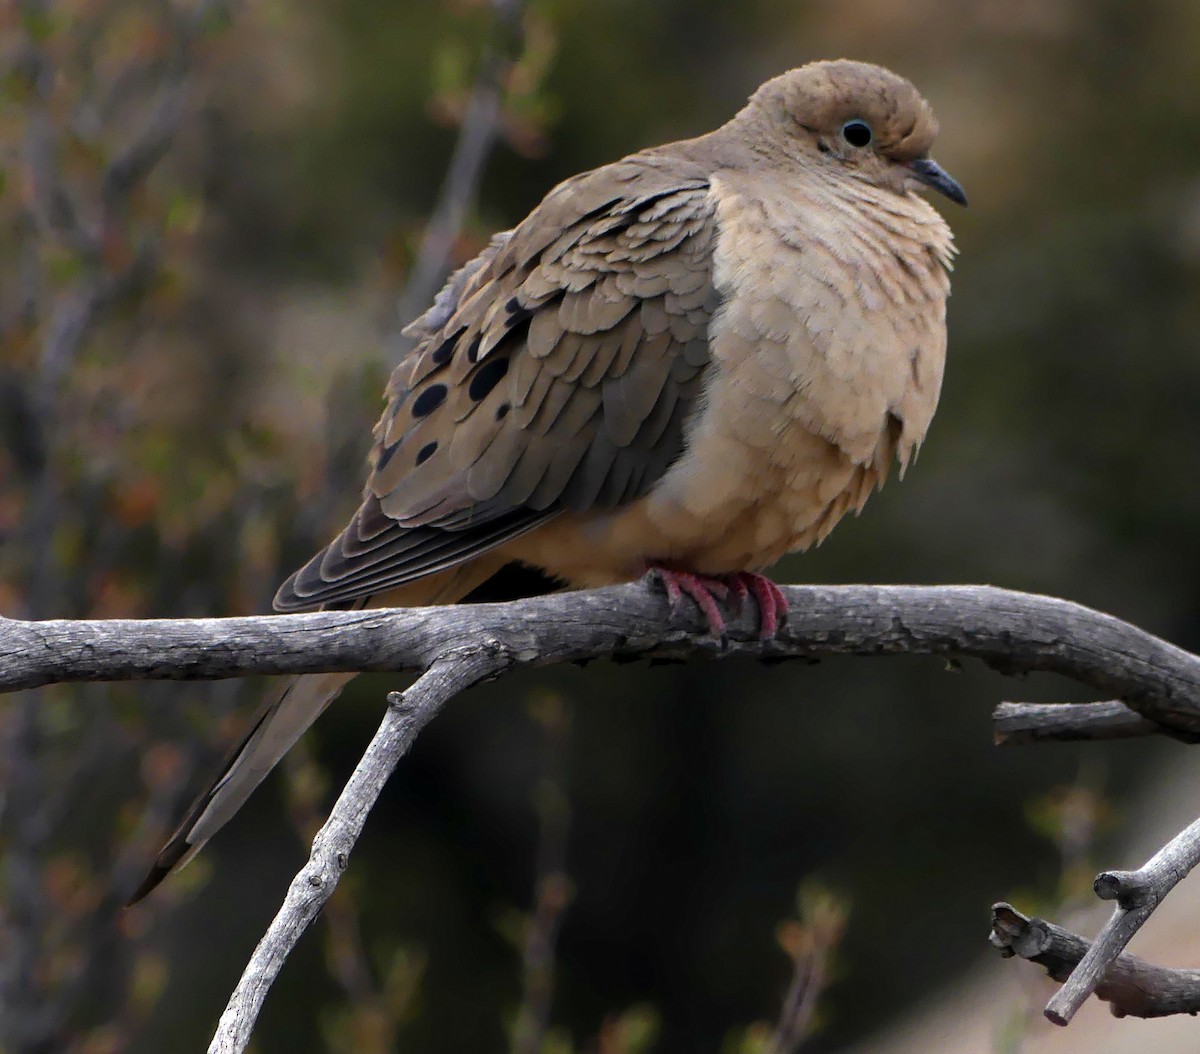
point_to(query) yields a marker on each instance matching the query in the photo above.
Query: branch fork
(1158, 684)
(1100, 968)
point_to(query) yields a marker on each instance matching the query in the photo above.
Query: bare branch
(138, 157)
(1015, 724)
(1132, 986)
(1138, 894)
(811, 941)
(150, 145)
(66, 284)
(407, 713)
(477, 135)
(552, 887)
(1013, 632)
(1010, 631)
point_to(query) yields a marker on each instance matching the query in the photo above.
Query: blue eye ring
(857, 133)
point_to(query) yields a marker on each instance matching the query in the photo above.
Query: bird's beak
(933, 175)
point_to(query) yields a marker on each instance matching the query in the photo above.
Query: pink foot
(706, 590)
(772, 604)
(703, 590)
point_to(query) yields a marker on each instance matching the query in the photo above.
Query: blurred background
(214, 219)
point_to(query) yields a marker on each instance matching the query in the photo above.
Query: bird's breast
(827, 356)
(827, 359)
(833, 311)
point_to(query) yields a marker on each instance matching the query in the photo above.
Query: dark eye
(857, 133)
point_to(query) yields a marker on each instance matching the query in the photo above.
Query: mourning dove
(693, 360)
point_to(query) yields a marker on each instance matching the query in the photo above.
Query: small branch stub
(1138, 894)
(1015, 724)
(1131, 986)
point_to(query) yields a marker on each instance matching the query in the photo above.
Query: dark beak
(933, 175)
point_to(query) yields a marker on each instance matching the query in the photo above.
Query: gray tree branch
(1137, 893)
(552, 888)
(1018, 723)
(59, 215)
(459, 646)
(407, 713)
(1132, 986)
(1010, 631)
(477, 135)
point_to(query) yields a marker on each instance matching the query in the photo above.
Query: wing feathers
(555, 371)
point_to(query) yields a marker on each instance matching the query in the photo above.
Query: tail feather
(284, 717)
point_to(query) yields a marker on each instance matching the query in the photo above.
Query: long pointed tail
(283, 718)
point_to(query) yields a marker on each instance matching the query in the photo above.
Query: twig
(373, 1009)
(1015, 724)
(407, 713)
(477, 135)
(344, 949)
(1138, 894)
(1132, 986)
(1010, 631)
(811, 942)
(61, 212)
(800, 1004)
(552, 886)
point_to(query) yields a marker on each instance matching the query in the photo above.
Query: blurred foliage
(810, 940)
(102, 486)
(1072, 818)
(191, 454)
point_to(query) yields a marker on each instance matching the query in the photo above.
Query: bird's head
(857, 120)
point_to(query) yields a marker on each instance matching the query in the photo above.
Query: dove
(688, 362)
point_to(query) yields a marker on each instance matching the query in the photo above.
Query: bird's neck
(848, 220)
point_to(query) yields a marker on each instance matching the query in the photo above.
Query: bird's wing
(554, 372)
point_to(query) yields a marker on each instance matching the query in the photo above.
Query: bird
(688, 362)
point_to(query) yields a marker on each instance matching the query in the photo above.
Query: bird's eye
(857, 133)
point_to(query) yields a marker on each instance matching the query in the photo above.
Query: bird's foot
(706, 590)
(703, 590)
(772, 604)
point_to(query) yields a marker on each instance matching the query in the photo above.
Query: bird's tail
(282, 719)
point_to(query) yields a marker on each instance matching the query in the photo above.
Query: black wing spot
(473, 350)
(518, 334)
(429, 400)
(426, 452)
(487, 377)
(441, 355)
(386, 455)
(517, 312)
(502, 411)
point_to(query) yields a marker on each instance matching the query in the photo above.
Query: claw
(772, 604)
(704, 591)
(741, 591)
